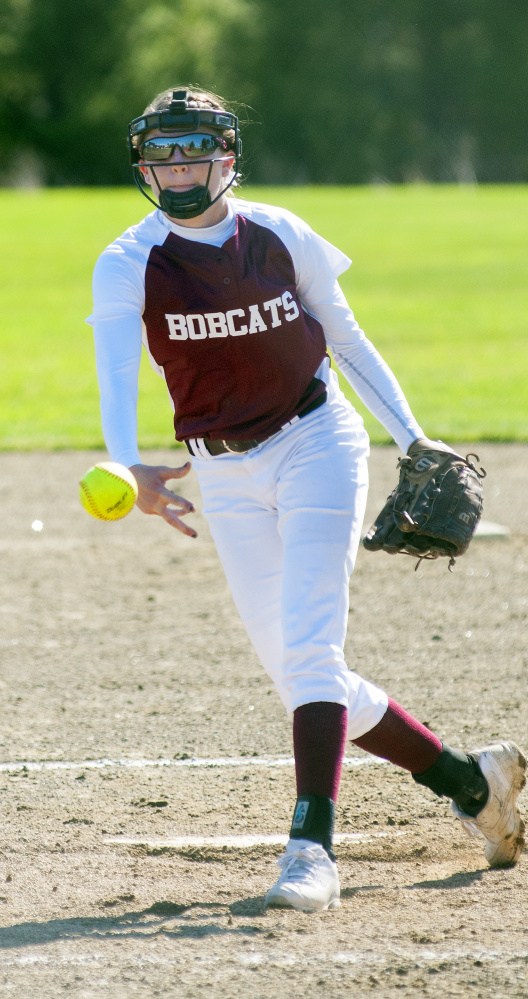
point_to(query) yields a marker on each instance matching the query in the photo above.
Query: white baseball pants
(286, 519)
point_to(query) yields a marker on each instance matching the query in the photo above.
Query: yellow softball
(108, 491)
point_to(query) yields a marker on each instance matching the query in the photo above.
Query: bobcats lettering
(236, 322)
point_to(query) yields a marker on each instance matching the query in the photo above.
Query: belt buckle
(230, 449)
(235, 450)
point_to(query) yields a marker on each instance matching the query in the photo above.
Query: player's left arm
(318, 264)
(367, 372)
(357, 358)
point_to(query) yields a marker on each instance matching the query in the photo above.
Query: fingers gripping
(155, 498)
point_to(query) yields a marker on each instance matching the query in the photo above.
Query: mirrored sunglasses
(193, 147)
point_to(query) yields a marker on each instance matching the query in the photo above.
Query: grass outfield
(438, 283)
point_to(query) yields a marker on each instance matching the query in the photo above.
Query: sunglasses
(192, 147)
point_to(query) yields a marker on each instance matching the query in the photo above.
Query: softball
(108, 491)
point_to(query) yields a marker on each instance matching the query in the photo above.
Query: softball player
(237, 304)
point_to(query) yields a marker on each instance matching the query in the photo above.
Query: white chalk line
(273, 958)
(195, 761)
(238, 842)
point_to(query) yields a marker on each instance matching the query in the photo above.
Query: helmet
(181, 115)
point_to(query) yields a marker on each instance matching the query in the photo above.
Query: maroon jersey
(226, 325)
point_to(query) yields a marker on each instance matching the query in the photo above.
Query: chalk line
(105, 955)
(240, 842)
(194, 761)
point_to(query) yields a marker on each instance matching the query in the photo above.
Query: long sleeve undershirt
(118, 329)
(365, 370)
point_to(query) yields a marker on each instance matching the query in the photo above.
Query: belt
(241, 447)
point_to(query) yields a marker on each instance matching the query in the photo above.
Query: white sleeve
(117, 325)
(363, 367)
(369, 375)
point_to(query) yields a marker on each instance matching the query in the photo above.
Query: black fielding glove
(435, 508)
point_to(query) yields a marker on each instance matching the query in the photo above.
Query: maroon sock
(403, 740)
(319, 737)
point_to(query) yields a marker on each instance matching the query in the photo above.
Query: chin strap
(188, 204)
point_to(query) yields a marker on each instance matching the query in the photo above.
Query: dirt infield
(126, 675)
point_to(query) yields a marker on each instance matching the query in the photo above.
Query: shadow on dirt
(462, 879)
(149, 923)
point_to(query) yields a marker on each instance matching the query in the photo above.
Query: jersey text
(236, 322)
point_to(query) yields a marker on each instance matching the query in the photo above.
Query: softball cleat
(308, 881)
(500, 823)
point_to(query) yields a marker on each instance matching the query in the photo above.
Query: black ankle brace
(456, 775)
(313, 819)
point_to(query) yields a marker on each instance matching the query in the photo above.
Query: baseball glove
(435, 507)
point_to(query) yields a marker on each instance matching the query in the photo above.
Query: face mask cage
(180, 117)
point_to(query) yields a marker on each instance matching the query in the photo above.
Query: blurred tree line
(349, 91)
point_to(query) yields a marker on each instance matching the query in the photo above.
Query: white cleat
(309, 880)
(499, 822)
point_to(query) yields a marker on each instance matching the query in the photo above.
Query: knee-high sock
(319, 737)
(403, 740)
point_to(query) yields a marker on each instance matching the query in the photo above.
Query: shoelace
(295, 865)
(296, 870)
(471, 828)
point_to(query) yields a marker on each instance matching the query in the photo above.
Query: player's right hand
(154, 497)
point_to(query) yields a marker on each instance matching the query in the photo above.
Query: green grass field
(438, 283)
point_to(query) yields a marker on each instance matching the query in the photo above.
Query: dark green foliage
(417, 89)
(342, 92)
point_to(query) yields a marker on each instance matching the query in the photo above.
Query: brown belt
(241, 447)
